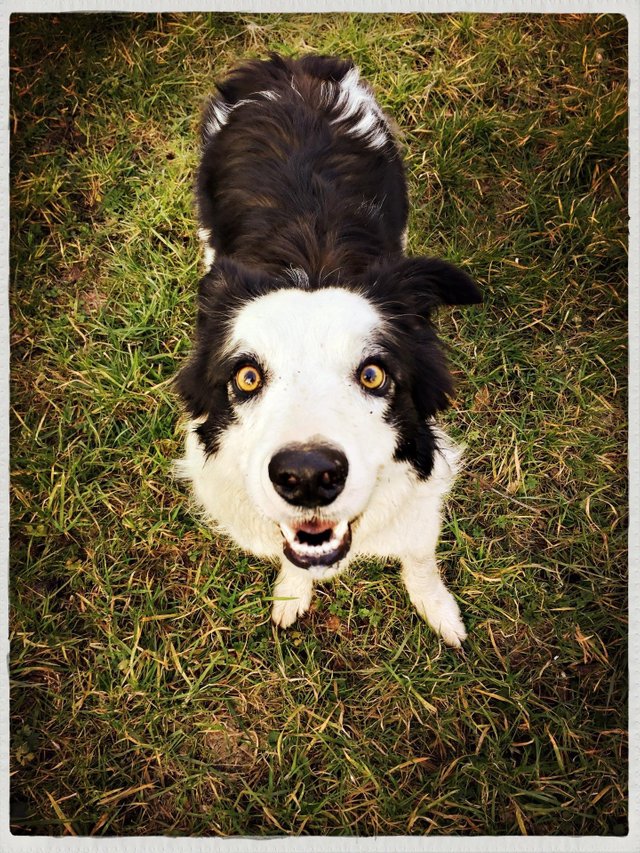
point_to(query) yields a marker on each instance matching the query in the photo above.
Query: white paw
(443, 614)
(289, 605)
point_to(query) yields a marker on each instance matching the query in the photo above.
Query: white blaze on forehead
(290, 325)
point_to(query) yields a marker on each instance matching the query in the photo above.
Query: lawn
(150, 693)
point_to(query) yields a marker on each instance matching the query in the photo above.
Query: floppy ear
(191, 385)
(221, 289)
(229, 278)
(433, 282)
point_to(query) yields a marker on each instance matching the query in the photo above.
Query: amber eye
(248, 379)
(372, 377)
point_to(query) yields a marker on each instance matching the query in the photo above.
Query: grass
(149, 692)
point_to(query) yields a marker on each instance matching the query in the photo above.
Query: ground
(150, 693)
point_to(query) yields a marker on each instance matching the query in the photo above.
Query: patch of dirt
(224, 746)
(93, 300)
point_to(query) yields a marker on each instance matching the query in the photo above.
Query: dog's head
(325, 388)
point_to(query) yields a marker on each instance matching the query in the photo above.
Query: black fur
(204, 381)
(406, 293)
(280, 188)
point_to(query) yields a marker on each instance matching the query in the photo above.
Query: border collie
(316, 373)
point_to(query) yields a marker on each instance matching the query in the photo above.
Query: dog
(316, 374)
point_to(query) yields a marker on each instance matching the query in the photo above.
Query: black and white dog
(316, 373)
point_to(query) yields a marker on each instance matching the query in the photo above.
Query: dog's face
(322, 388)
(315, 434)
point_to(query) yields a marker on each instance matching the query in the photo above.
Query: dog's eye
(373, 377)
(248, 379)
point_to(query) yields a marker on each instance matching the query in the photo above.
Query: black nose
(309, 475)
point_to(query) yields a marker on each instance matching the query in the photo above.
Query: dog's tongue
(316, 543)
(313, 527)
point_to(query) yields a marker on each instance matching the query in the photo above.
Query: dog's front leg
(432, 599)
(291, 594)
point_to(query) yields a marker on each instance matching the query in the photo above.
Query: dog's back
(300, 171)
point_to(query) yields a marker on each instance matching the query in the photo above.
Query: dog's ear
(191, 385)
(229, 279)
(432, 282)
(423, 283)
(221, 289)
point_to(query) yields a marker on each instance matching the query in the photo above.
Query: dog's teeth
(325, 548)
(309, 551)
(289, 534)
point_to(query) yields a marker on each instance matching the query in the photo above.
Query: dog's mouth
(316, 543)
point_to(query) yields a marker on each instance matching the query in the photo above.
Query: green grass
(150, 693)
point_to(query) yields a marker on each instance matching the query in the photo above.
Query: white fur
(311, 343)
(218, 117)
(209, 254)
(220, 111)
(355, 97)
